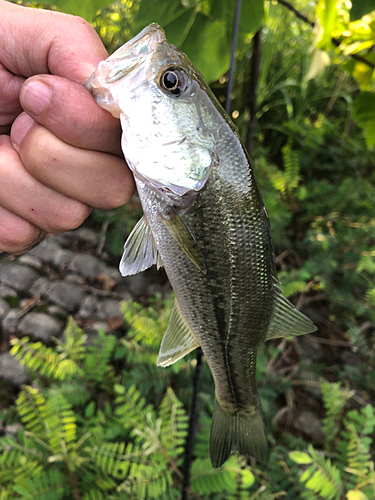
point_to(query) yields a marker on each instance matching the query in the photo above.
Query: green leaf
(364, 115)
(300, 457)
(201, 29)
(356, 495)
(360, 8)
(327, 13)
(84, 8)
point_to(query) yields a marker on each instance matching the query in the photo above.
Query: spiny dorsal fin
(139, 250)
(182, 234)
(286, 320)
(177, 340)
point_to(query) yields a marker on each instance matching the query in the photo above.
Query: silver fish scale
(228, 308)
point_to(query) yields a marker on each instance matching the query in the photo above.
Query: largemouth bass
(205, 221)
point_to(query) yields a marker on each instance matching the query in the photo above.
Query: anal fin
(177, 341)
(286, 320)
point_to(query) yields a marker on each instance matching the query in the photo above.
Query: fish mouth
(128, 57)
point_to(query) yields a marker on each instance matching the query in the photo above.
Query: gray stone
(66, 295)
(75, 278)
(89, 307)
(86, 234)
(108, 308)
(19, 277)
(311, 349)
(6, 291)
(40, 287)
(113, 273)
(30, 260)
(136, 284)
(62, 257)
(4, 307)
(87, 265)
(11, 320)
(45, 251)
(309, 423)
(40, 326)
(94, 328)
(56, 311)
(11, 370)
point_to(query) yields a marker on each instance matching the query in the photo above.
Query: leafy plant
(350, 470)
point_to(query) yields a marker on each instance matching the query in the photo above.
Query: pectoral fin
(286, 320)
(177, 340)
(140, 251)
(182, 234)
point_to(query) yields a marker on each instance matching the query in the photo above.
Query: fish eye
(174, 81)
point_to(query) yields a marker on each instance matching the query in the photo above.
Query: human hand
(56, 161)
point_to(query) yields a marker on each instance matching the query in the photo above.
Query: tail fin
(243, 431)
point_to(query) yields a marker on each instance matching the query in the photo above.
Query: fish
(204, 221)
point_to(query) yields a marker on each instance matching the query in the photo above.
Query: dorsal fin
(177, 340)
(140, 251)
(286, 320)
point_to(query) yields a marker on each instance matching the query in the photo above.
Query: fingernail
(20, 128)
(35, 97)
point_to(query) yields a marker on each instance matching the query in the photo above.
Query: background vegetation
(101, 421)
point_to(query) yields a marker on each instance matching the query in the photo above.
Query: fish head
(165, 109)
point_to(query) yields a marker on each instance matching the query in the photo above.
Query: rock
(86, 234)
(4, 307)
(108, 308)
(309, 423)
(57, 311)
(30, 260)
(87, 265)
(40, 326)
(45, 251)
(12, 371)
(136, 284)
(40, 287)
(89, 307)
(11, 320)
(62, 258)
(311, 349)
(66, 295)
(19, 277)
(6, 291)
(75, 278)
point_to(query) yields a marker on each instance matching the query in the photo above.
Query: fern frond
(30, 405)
(44, 361)
(60, 422)
(334, 399)
(147, 480)
(322, 477)
(205, 479)
(75, 393)
(113, 458)
(131, 408)
(50, 485)
(97, 358)
(174, 424)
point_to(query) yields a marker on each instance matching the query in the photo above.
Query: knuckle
(69, 216)
(20, 237)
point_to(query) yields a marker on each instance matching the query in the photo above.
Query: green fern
(46, 486)
(230, 477)
(45, 362)
(322, 477)
(334, 399)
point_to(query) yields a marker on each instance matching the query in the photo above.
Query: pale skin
(60, 152)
